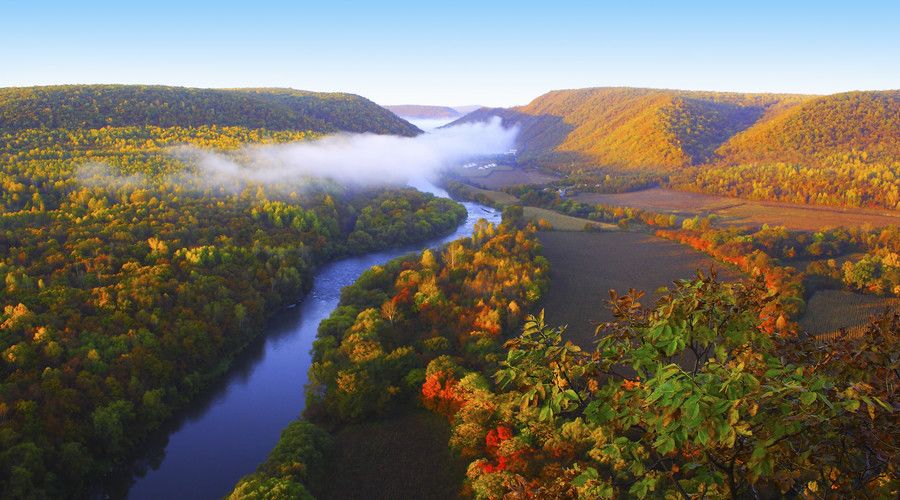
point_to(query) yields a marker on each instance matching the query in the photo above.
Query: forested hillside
(820, 128)
(631, 128)
(130, 282)
(95, 106)
(842, 149)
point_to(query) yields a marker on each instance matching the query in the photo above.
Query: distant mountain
(464, 110)
(633, 128)
(424, 112)
(95, 106)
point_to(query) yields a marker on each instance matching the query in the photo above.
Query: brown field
(402, 457)
(737, 211)
(563, 222)
(827, 311)
(586, 265)
(503, 176)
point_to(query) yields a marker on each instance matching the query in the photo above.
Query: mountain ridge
(97, 106)
(663, 129)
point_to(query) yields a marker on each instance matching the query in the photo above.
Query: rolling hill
(658, 129)
(96, 106)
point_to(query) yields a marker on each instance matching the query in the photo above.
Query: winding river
(232, 428)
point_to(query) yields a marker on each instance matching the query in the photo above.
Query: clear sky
(455, 52)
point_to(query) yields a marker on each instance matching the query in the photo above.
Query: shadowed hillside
(96, 106)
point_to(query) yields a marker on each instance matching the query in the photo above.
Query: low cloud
(354, 159)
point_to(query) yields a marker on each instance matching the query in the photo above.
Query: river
(230, 430)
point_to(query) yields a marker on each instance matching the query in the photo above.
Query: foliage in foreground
(691, 398)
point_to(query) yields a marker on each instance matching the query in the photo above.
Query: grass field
(584, 266)
(744, 212)
(827, 311)
(562, 222)
(402, 457)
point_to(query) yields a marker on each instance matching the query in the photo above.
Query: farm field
(738, 211)
(827, 311)
(584, 266)
(563, 222)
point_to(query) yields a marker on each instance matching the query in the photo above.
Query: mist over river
(231, 428)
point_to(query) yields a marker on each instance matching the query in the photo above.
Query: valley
(450, 250)
(204, 306)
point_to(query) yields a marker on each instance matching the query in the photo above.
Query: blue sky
(455, 52)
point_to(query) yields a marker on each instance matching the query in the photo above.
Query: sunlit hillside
(633, 128)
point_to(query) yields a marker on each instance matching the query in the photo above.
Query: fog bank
(355, 159)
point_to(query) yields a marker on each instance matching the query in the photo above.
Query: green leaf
(599, 413)
(546, 413)
(807, 398)
(703, 436)
(589, 474)
(571, 395)
(692, 410)
(664, 444)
